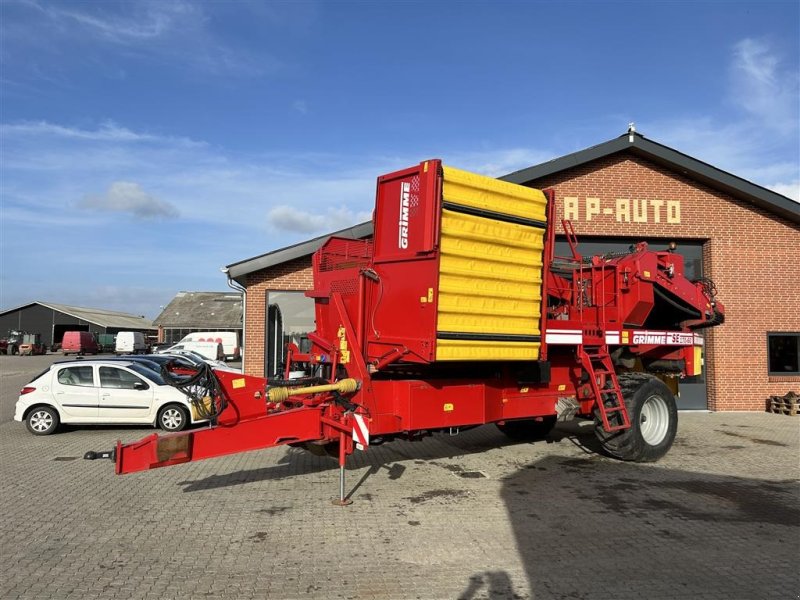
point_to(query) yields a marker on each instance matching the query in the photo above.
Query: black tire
(14, 350)
(653, 414)
(528, 430)
(173, 417)
(42, 420)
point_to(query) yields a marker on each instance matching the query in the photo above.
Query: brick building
(744, 237)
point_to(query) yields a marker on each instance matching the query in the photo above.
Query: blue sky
(144, 145)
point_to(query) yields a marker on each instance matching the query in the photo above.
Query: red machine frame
(596, 314)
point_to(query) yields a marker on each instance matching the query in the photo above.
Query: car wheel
(42, 420)
(173, 418)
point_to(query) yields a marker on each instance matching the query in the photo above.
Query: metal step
(597, 363)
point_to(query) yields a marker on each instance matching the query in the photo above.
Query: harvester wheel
(654, 420)
(528, 430)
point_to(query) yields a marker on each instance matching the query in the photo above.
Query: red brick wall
(295, 275)
(752, 256)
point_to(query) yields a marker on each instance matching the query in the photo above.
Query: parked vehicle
(211, 350)
(32, 345)
(10, 344)
(182, 364)
(79, 342)
(134, 358)
(107, 342)
(159, 346)
(228, 339)
(130, 342)
(98, 391)
(196, 358)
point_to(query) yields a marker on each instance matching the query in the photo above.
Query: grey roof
(697, 170)
(238, 270)
(203, 310)
(98, 316)
(634, 143)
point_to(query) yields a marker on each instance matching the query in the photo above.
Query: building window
(783, 350)
(290, 317)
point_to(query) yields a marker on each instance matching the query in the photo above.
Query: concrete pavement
(470, 516)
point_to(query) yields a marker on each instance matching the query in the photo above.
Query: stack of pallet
(784, 405)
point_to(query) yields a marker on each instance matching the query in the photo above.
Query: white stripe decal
(615, 338)
(564, 336)
(360, 432)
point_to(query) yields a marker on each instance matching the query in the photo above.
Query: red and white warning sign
(360, 432)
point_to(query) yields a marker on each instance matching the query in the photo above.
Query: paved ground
(469, 517)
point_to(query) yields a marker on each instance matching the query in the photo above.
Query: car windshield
(150, 374)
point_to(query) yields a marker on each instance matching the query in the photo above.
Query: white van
(210, 350)
(130, 342)
(228, 339)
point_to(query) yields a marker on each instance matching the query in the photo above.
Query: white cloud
(495, 163)
(764, 86)
(738, 147)
(178, 33)
(150, 20)
(108, 131)
(288, 218)
(127, 197)
(790, 190)
(300, 106)
(759, 142)
(48, 167)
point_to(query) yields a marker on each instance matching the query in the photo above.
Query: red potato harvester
(457, 314)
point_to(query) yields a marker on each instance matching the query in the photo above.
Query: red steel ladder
(610, 403)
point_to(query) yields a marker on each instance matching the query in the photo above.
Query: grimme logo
(402, 238)
(664, 339)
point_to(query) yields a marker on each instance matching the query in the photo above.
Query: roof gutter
(235, 285)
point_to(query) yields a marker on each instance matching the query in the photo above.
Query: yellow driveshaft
(281, 394)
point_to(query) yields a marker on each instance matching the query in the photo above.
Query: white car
(210, 350)
(101, 392)
(195, 357)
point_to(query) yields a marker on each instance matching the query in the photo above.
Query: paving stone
(718, 517)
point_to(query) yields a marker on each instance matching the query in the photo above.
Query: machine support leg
(342, 501)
